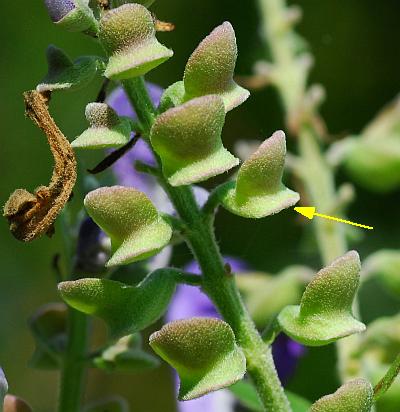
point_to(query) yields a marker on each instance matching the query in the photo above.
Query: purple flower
(58, 9)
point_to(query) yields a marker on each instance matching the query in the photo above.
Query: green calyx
(125, 309)
(354, 396)
(258, 191)
(80, 19)
(210, 70)
(106, 129)
(128, 217)
(188, 140)
(128, 35)
(63, 74)
(325, 311)
(204, 353)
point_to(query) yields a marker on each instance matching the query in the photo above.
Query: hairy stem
(384, 384)
(219, 285)
(73, 365)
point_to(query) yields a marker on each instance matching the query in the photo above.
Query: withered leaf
(32, 215)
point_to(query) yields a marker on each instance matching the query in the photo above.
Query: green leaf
(106, 128)
(266, 295)
(188, 140)
(258, 191)
(248, 397)
(126, 309)
(111, 404)
(49, 329)
(385, 266)
(63, 74)
(325, 311)
(353, 396)
(125, 355)
(128, 35)
(128, 217)
(204, 353)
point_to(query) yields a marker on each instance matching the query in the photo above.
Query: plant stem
(219, 285)
(73, 365)
(384, 384)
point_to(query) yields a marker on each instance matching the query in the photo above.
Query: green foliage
(106, 129)
(353, 396)
(63, 74)
(385, 266)
(258, 191)
(131, 221)
(125, 355)
(325, 311)
(204, 353)
(188, 140)
(128, 35)
(210, 70)
(49, 329)
(126, 309)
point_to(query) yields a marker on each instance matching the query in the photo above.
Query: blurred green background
(356, 48)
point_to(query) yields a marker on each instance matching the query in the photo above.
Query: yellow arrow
(310, 212)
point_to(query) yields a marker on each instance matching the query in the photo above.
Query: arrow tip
(306, 211)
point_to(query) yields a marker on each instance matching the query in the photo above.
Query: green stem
(219, 285)
(73, 365)
(384, 384)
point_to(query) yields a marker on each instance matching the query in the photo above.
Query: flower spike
(188, 140)
(128, 35)
(258, 191)
(132, 222)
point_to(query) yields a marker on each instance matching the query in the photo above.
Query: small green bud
(204, 353)
(188, 140)
(128, 35)
(125, 309)
(49, 329)
(354, 396)
(64, 74)
(125, 355)
(325, 311)
(210, 70)
(133, 224)
(258, 191)
(106, 128)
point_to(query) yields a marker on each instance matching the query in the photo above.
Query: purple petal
(286, 354)
(58, 9)
(237, 265)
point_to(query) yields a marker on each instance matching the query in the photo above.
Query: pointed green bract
(106, 129)
(325, 313)
(210, 68)
(204, 353)
(125, 355)
(128, 35)
(188, 140)
(353, 396)
(63, 74)
(126, 309)
(49, 329)
(131, 221)
(259, 191)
